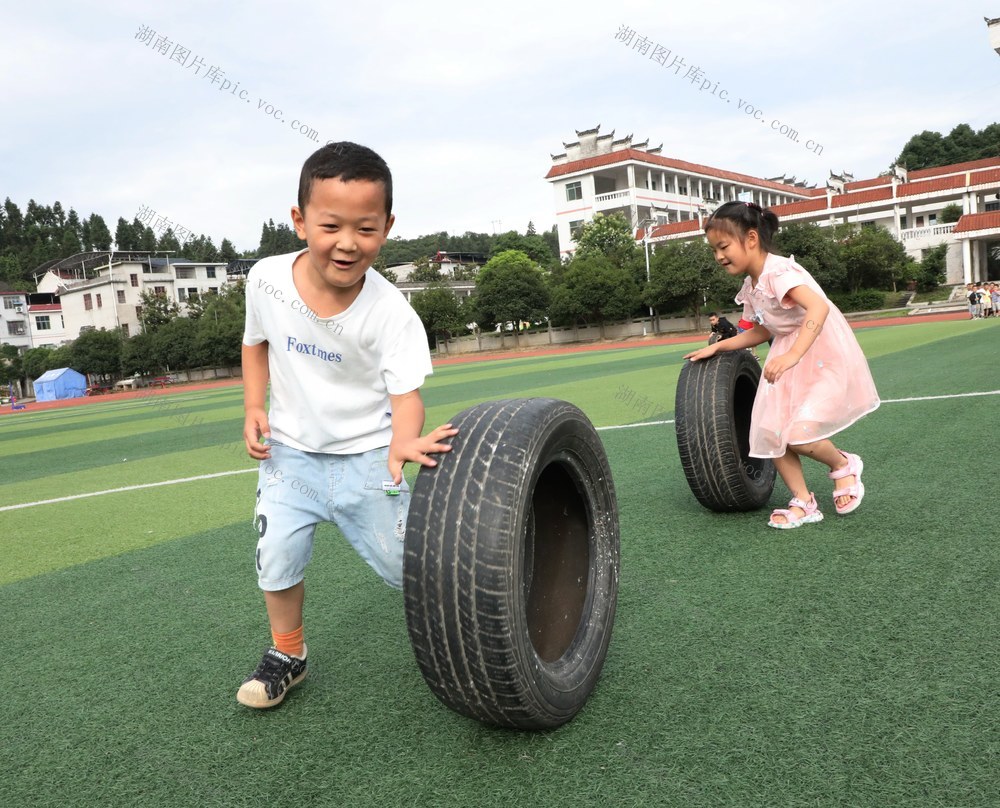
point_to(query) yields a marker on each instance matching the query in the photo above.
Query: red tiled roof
(802, 206)
(932, 185)
(972, 165)
(860, 197)
(625, 155)
(978, 221)
(874, 182)
(45, 307)
(690, 226)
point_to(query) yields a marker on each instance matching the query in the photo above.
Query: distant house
(55, 385)
(994, 29)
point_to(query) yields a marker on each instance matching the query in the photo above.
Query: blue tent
(60, 383)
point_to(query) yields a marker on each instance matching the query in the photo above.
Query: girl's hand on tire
(703, 353)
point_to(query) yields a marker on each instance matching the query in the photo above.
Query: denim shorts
(297, 490)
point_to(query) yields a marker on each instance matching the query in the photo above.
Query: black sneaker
(275, 675)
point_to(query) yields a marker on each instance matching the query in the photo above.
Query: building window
(121, 295)
(919, 222)
(42, 322)
(134, 280)
(574, 190)
(902, 222)
(210, 271)
(182, 295)
(98, 301)
(990, 206)
(15, 329)
(138, 312)
(125, 329)
(160, 290)
(88, 302)
(213, 290)
(575, 228)
(185, 273)
(932, 219)
(11, 302)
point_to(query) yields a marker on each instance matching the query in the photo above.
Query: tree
(278, 239)
(683, 275)
(174, 344)
(125, 236)
(439, 310)
(612, 237)
(533, 246)
(11, 368)
(227, 252)
(168, 242)
(139, 355)
(379, 266)
(873, 259)
(98, 237)
(97, 353)
(220, 328)
(599, 289)
(933, 268)
(425, 272)
(950, 213)
(815, 248)
(510, 289)
(156, 311)
(35, 361)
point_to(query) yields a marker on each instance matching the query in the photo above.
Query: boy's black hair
(739, 218)
(713, 314)
(346, 162)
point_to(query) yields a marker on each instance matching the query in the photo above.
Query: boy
(721, 327)
(345, 355)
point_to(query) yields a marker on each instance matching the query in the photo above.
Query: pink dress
(828, 390)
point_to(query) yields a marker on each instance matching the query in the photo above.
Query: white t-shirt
(331, 377)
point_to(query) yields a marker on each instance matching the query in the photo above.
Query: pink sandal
(812, 514)
(853, 468)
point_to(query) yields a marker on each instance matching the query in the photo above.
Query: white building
(104, 290)
(48, 327)
(14, 323)
(598, 174)
(669, 198)
(908, 205)
(994, 29)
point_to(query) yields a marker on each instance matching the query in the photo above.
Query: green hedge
(862, 300)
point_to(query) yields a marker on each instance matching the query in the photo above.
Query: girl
(816, 380)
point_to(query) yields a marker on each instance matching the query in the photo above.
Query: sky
(466, 102)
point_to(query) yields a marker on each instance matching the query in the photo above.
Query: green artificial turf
(850, 663)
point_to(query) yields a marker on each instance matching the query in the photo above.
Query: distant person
(986, 299)
(975, 303)
(995, 297)
(721, 328)
(816, 381)
(345, 355)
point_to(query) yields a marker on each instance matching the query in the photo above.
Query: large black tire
(712, 419)
(510, 572)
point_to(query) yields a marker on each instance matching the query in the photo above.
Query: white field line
(126, 488)
(254, 470)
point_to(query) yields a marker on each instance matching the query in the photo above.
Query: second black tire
(712, 420)
(510, 572)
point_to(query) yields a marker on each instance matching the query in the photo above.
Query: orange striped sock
(290, 643)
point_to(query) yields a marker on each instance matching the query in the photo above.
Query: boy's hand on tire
(416, 450)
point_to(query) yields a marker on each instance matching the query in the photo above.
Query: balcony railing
(933, 230)
(612, 197)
